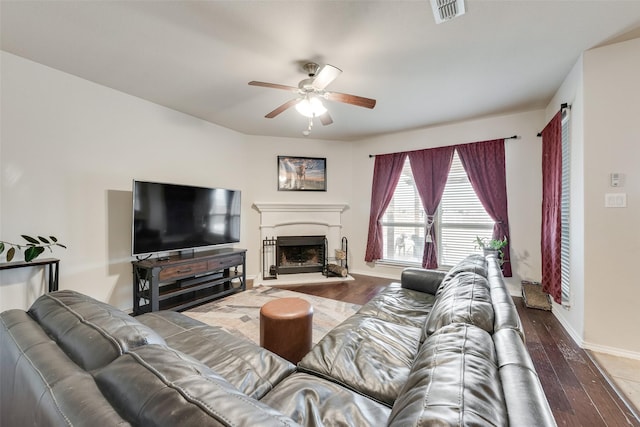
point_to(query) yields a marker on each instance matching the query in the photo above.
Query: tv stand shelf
(179, 283)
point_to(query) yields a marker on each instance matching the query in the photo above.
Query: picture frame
(302, 173)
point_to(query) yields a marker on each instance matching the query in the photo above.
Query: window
(564, 212)
(403, 222)
(460, 219)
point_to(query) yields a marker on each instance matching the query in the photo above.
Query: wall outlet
(615, 200)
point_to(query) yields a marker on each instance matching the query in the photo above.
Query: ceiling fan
(310, 93)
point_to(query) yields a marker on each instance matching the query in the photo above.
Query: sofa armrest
(422, 280)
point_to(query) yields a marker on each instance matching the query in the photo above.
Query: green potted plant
(32, 249)
(490, 246)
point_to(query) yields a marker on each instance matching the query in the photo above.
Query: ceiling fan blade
(351, 99)
(273, 85)
(326, 119)
(283, 107)
(326, 75)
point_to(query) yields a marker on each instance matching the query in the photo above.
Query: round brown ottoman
(286, 326)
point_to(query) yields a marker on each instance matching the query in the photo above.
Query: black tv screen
(171, 217)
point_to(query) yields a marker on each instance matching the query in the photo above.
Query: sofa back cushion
(40, 385)
(465, 298)
(474, 263)
(454, 381)
(505, 312)
(90, 332)
(159, 386)
(524, 396)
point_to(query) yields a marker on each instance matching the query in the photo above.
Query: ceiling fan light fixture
(311, 107)
(445, 10)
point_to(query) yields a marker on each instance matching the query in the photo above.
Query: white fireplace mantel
(301, 207)
(302, 219)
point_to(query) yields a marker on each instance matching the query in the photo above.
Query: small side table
(53, 269)
(286, 327)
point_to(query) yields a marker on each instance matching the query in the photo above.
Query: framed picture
(302, 173)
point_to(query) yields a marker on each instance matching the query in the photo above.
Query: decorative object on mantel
(534, 297)
(302, 173)
(32, 249)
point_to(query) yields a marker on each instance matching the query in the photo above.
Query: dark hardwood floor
(579, 395)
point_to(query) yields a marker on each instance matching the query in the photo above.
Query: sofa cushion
(422, 280)
(366, 354)
(159, 386)
(399, 305)
(311, 400)
(92, 333)
(249, 367)
(466, 298)
(504, 310)
(454, 381)
(519, 378)
(40, 385)
(474, 263)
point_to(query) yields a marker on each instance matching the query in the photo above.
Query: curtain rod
(509, 137)
(563, 106)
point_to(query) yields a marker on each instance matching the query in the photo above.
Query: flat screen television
(171, 217)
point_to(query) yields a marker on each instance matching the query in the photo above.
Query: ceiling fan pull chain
(308, 131)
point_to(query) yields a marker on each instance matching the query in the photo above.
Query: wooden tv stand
(179, 283)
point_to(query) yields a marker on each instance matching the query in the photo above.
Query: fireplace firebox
(300, 254)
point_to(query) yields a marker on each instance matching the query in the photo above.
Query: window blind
(403, 222)
(564, 214)
(461, 217)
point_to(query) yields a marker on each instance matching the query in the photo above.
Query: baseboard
(575, 336)
(613, 351)
(379, 274)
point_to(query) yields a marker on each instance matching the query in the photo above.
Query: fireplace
(300, 254)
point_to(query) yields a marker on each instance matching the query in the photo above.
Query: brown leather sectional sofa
(435, 349)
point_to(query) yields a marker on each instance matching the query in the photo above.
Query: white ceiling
(198, 56)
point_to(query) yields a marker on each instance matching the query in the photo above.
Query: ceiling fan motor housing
(311, 68)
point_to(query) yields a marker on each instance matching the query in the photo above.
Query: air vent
(445, 10)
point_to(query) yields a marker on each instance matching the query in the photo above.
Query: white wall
(612, 236)
(523, 164)
(70, 150)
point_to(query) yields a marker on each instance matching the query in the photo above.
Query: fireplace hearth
(300, 254)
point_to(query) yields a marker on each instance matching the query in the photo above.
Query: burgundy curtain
(386, 174)
(430, 170)
(551, 197)
(485, 166)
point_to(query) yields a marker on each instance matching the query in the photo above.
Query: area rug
(534, 297)
(239, 313)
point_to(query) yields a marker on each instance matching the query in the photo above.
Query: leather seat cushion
(157, 385)
(91, 332)
(454, 381)
(247, 366)
(366, 354)
(312, 400)
(399, 305)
